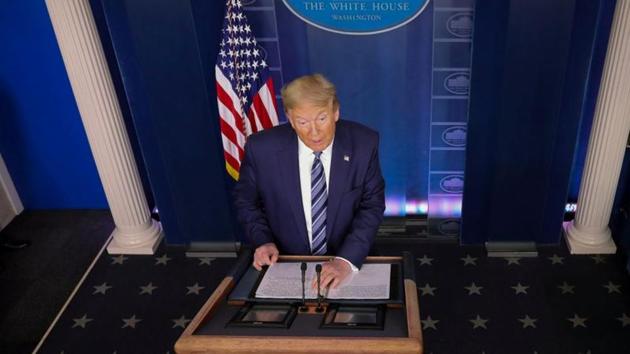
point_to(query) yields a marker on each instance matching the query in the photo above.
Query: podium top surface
(247, 284)
(209, 332)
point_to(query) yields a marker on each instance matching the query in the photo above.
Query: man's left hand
(333, 273)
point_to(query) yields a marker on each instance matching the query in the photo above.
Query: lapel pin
(346, 158)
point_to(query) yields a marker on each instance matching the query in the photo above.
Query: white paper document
(284, 281)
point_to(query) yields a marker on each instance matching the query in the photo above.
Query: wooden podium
(209, 332)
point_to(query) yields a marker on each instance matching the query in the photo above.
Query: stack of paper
(284, 281)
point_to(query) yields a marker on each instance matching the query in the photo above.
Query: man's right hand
(266, 254)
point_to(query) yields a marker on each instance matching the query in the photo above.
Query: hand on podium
(266, 254)
(333, 273)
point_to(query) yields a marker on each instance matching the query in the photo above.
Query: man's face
(314, 125)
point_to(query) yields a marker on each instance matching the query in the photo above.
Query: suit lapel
(339, 168)
(289, 170)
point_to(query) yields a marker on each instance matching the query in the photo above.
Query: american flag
(245, 93)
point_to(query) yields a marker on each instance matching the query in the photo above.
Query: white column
(136, 232)
(589, 232)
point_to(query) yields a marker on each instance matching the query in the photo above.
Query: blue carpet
(469, 303)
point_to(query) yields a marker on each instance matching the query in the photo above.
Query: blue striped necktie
(319, 201)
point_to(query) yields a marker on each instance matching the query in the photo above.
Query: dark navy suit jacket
(268, 198)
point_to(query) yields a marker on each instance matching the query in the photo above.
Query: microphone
(303, 268)
(318, 270)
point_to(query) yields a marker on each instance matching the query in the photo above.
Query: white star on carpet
(479, 322)
(520, 289)
(427, 290)
(131, 322)
(513, 260)
(205, 260)
(119, 259)
(180, 322)
(429, 323)
(578, 321)
(528, 321)
(469, 260)
(147, 289)
(555, 259)
(625, 320)
(81, 322)
(194, 289)
(101, 289)
(425, 260)
(566, 288)
(612, 288)
(162, 260)
(598, 259)
(474, 289)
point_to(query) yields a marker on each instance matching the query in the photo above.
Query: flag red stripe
(273, 93)
(227, 101)
(252, 121)
(261, 111)
(231, 161)
(228, 131)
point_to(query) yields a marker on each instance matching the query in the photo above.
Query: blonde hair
(314, 89)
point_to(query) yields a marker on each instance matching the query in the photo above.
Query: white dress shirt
(305, 159)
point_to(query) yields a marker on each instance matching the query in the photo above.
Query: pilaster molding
(589, 233)
(73, 22)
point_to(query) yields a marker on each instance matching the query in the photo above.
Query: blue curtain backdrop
(165, 52)
(411, 83)
(162, 54)
(533, 91)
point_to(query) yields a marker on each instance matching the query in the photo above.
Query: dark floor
(554, 303)
(469, 303)
(36, 281)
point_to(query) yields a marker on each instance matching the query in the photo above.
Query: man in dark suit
(313, 186)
